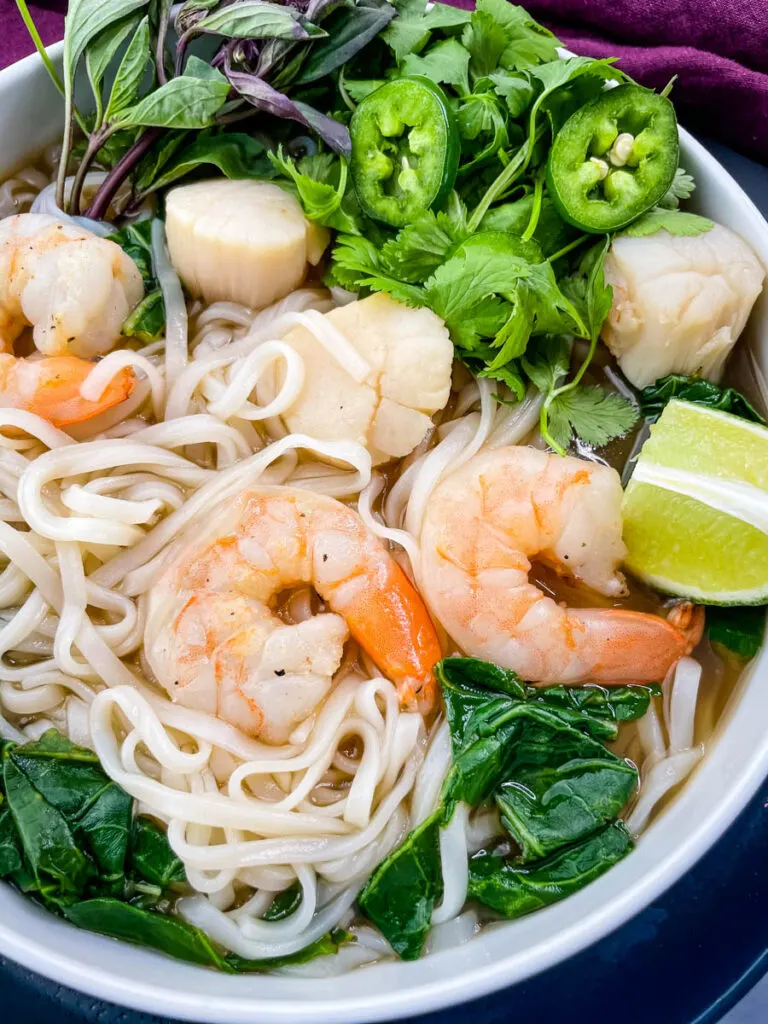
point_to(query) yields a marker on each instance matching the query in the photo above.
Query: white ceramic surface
(736, 764)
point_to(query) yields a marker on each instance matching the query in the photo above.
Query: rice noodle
(668, 761)
(89, 519)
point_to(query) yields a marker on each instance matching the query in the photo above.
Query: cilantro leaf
(445, 63)
(358, 88)
(515, 90)
(357, 264)
(409, 32)
(528, 43)
(477, 117)
(673, 221)
(546, 362)
(321, 187)
(509, 375)
(592, 413)
(485, 40)
(467, 290)
(682, 187)
(420, 248)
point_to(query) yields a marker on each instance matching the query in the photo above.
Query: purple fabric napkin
(717, 48)
(15, 42)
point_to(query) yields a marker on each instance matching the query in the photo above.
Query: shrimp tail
(50, 387)
(633, 647)
(389, 621)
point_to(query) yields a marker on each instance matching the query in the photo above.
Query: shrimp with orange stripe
(488, 522)
(214, 641)
(74, 290)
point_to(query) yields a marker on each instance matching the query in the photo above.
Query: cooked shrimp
(51, 388)
(74, 289)
(483, 527)
(214, 643)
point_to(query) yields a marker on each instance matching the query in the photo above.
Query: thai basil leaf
(402, 892)
(48, 842)
(101, 52)
(190, 101)
(349, 31)
(654, 398)
(741, 630)
(130, 72)
(263, 96)
(193, 11)
(147, 928)
(87, 19)
(326, 945)
(151, 855)
(256, 19)
(513, 890)
(546, 807)
(235, 154)
(158, 157)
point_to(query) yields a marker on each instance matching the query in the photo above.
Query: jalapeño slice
(614, 158)
(405, 150)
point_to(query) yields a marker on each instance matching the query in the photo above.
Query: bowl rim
(427, 995)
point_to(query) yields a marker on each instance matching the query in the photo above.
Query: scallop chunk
(242, 241)
(410, 355)
(679, 303)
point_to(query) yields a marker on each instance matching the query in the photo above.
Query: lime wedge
(696, 508)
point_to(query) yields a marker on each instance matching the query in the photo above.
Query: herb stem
(66, 148)
(32, 29)
(162, 32)
(533, 223)
(568, 248)
(507, 177)
(96, 141)
(120, 172)
(53, 74)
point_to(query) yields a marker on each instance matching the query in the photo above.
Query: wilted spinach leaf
(147, 320)
(147, 928)
(10, 849)
(402, 892)
(48, 842)
(694, 389)
(151, 855)
(514, 890)
(599, 708)
(284, 904)
(741, 629)
(326, 945)
(546, 806)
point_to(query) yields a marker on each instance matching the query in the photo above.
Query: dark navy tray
(686, 959)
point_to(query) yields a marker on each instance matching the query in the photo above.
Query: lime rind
(696, 508)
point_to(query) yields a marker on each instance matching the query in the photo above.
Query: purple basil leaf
(352, 30)
(332, 132)
(263, 96)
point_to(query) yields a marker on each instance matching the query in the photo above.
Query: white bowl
(735, 766)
